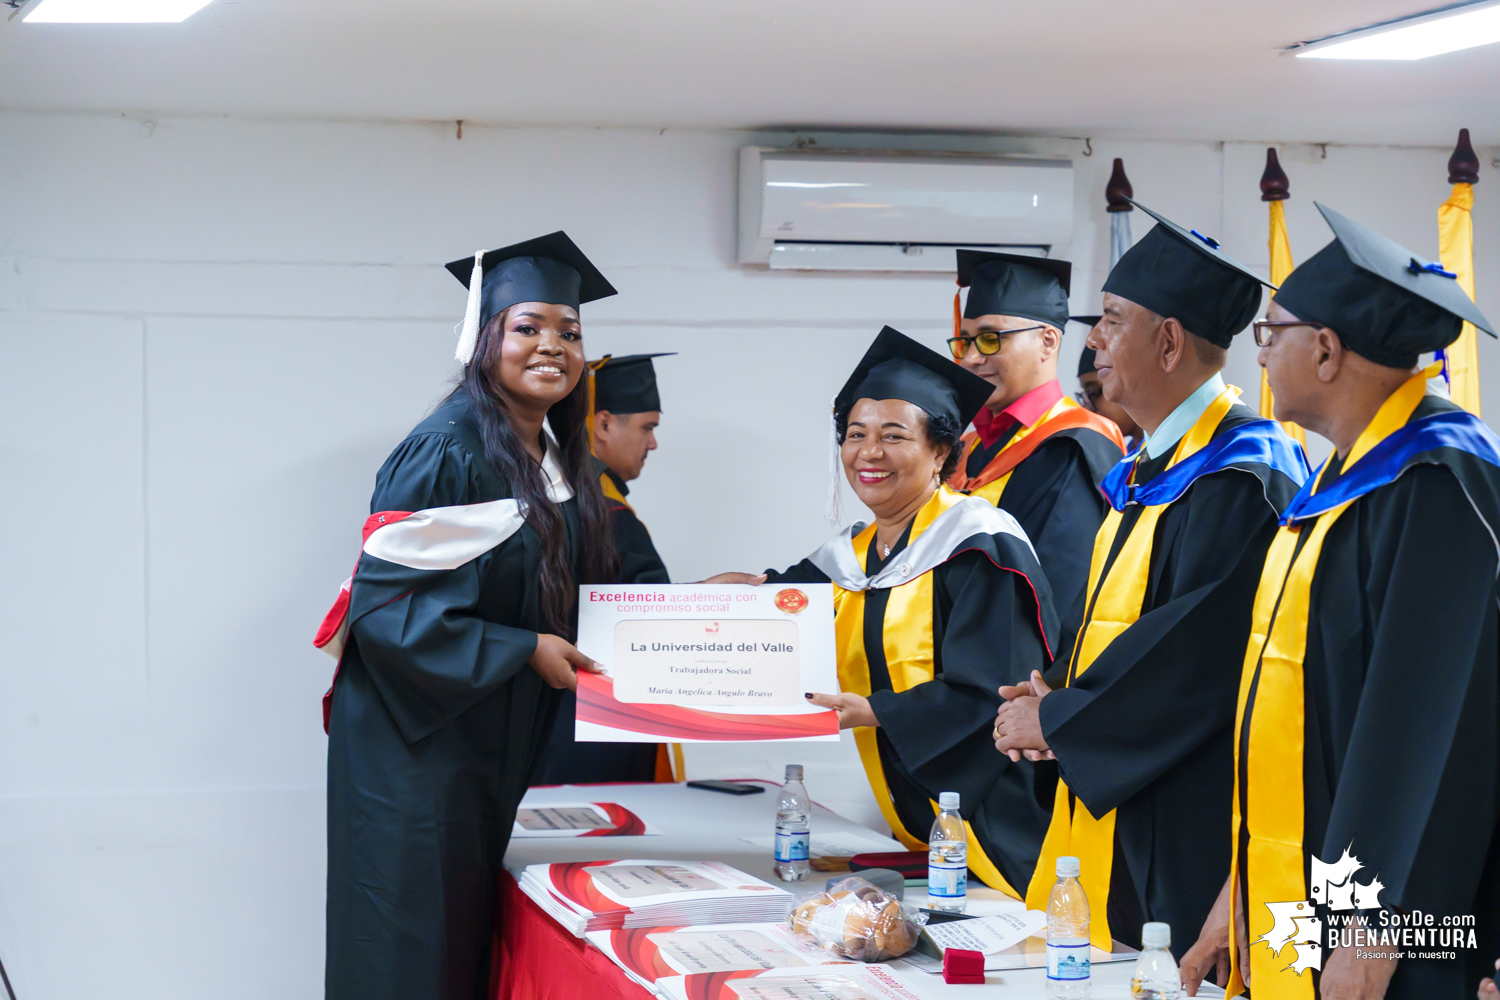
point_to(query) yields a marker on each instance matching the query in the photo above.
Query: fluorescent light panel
(113, 11)
(1416, 37)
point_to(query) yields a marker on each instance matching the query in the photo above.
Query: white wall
(211, 333)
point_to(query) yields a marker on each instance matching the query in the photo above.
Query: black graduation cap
(1009, 284)
(549, 269)
(627, 384)
(1086, 359)
(1178, 272)
(1383, 301)
(897, 367)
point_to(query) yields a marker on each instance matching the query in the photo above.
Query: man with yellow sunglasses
(1033, 451)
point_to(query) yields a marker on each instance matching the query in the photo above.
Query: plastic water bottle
(948, 858)
(1156, 975)
(1067, 934)
(793, 827)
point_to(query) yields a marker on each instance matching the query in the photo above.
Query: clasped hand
(1018, 724)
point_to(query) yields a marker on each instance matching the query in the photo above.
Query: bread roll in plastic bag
(858, 920)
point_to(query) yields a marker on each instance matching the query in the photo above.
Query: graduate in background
(1139, 714)
(627, 411)
(937, 604)
(1091, 392)
(454, 635)
(1033, 451)
(1367, 720)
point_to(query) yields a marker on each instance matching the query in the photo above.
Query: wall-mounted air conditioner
(828, 210)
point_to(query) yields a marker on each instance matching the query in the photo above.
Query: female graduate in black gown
(456, 636)
(937, 604)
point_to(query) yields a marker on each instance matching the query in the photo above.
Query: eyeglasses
(987, 342)
(1265, 330)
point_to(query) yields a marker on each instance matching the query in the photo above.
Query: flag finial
(1118, 189)
(1463, 165)
(1274, 184)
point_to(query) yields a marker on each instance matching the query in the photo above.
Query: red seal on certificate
(791, 600)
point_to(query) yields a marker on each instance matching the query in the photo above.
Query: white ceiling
(1144, 68)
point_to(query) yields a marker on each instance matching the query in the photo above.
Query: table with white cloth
(548, 963)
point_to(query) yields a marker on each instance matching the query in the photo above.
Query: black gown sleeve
(639, 562)
(1416, 790)
(1059, 505)
(1168, 684)
(429, 652)
(991, 636)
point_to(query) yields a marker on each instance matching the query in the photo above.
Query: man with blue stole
(1139, 714)
(1365, 765)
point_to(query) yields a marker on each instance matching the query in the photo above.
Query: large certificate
(692, 663)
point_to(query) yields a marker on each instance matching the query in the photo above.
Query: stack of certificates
(865, 982)
(603, 895)
(647, 954)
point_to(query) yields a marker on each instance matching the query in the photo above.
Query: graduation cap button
(1416, 267)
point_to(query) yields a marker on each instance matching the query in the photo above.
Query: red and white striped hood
(436, 540)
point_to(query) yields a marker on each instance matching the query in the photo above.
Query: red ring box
(960, 966)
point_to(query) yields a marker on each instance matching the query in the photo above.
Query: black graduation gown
(566, 762)
(1148, 729)
(1401, 759)
(639, 562)
(435, 723)
(987, 630)
(1054, 494)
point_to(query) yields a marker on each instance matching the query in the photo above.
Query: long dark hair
(507, 454)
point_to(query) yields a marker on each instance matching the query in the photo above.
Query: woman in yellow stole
(938, 603)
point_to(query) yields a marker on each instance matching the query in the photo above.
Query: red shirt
(1025, 411)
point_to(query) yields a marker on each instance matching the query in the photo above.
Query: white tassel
(468, 330)
(833, 513)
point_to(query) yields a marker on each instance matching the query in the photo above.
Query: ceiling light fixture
(1430, 33)
(113, 11)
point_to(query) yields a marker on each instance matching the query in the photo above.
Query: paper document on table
(1030, 953)
(990, 935)
(830, 982)
(579, 819)
(838, 843)
(696, 663)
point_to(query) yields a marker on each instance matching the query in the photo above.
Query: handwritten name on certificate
(690, 662)
(702, 662)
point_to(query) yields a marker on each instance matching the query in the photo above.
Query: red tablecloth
(539, 960)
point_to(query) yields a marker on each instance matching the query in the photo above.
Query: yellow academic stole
(612, 492)
(907, 640)
(1112, 609)
(1272, 811)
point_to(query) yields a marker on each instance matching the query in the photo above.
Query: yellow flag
(1281, 266)
(1456, 251)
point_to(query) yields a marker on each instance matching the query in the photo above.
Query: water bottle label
(793, 846)
(947, 881)
(1068, 961)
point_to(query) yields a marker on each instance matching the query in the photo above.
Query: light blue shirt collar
(1182, 419)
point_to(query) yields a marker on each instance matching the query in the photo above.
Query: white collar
(968, 517)
(1182, 419)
